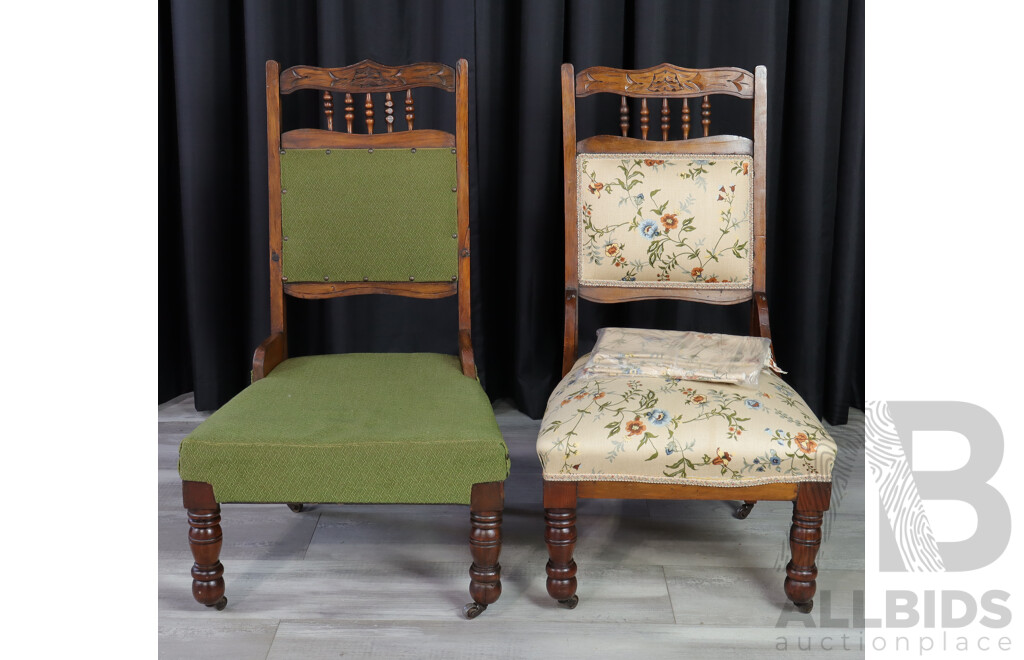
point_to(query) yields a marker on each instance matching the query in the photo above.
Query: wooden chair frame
(366, 77)
(664, 81)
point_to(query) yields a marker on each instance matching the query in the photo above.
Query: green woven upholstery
(382, 215)
(375, 428)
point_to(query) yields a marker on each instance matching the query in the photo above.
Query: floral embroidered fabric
(600, 427)
(651, 220)
(689, 355)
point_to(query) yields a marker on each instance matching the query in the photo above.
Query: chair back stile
(586, 266)
(407, 233)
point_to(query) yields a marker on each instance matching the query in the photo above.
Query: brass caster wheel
(473, 610)
(744, 510)
(220, 604)
(297, 507)
(804, 607)
(570, 603)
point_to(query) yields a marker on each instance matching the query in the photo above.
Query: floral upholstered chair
(358, 428)
(682, 219)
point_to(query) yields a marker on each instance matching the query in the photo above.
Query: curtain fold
(214, 307)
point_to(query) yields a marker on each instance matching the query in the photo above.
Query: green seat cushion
(364, 427)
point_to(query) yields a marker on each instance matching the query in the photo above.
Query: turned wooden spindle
(560, 537)
(205, 538)
(410, 113)
(645, 118)
(804, 541)
(329, 110)
(664, 119)
(705, 115)
(350, 111)
(801, 571)
(389, 112)
(486, 504)
(369, 113)
(624, 117)
(686, 119)
(485, 546)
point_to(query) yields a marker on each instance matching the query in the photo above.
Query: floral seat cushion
(669, 430)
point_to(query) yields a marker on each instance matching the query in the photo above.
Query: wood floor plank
(202, 637)
(551, 638)
(711, 596)
(414, 590)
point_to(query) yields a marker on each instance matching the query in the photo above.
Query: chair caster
(473, 610)
(804, 607)
(744, 510)
(220, 604)
(570, 603)
(297, 507)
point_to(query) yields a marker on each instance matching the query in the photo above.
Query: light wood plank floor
(656, 579)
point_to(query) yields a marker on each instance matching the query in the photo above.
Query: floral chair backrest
(665, 220)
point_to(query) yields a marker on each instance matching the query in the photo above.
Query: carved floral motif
(665, 79)
(369, 76)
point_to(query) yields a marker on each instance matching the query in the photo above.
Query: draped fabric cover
(214, 307)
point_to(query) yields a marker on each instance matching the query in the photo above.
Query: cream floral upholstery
(656, 220)
(670, 430)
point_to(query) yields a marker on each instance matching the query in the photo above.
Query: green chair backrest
(374, 215)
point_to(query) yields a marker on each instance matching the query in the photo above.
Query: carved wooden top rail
(665, 80)
(369, 76)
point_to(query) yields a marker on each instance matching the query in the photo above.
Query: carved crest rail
(666, 80)
(369, 76)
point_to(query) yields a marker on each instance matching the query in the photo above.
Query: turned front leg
(205, 539)
(485, 545)
(560, 536)
(804, 541)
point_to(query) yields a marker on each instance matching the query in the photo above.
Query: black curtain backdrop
(214, 307)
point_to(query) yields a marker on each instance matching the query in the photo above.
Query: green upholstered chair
(358, 213)
(680, 219)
